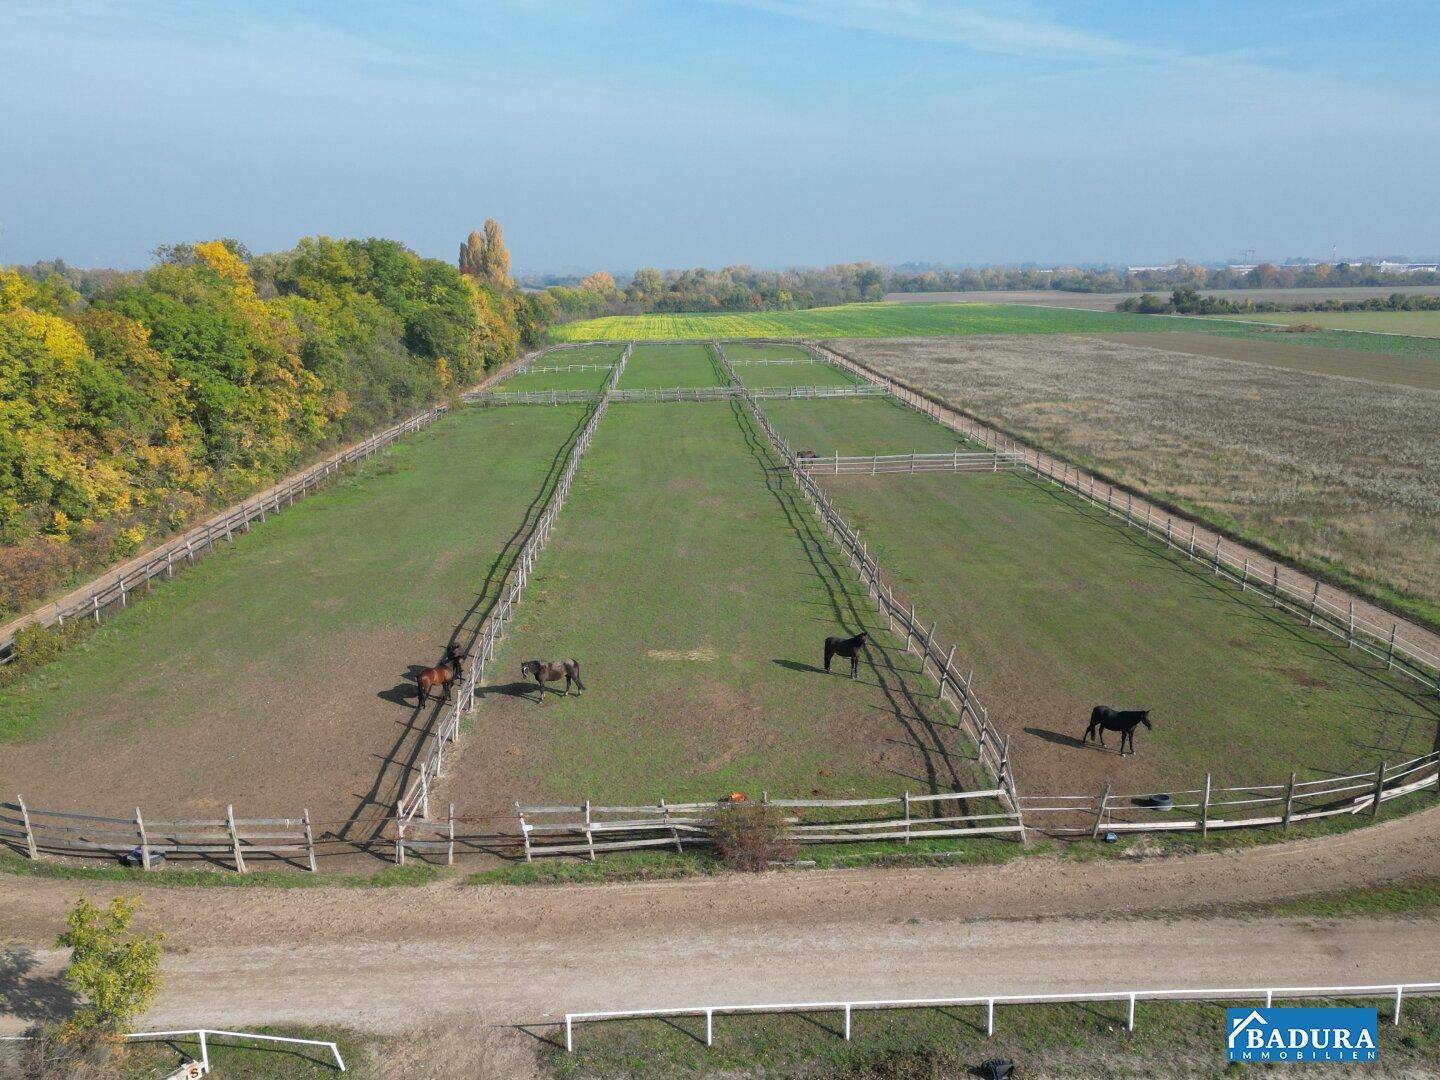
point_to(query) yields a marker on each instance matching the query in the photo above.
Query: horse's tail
(829, 652)
(576, 664)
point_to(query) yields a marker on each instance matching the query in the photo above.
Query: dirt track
(385, 958)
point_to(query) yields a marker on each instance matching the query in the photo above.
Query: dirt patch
(703, 655)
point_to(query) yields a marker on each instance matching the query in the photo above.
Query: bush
(751, 836)
(113, 970)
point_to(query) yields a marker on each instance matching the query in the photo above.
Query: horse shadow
(1063, 740)
(511, 689)
(796, 665)
(405, 693)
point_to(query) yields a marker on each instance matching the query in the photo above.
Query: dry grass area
(1335, 472)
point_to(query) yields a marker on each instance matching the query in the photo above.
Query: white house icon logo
(1237, 1026)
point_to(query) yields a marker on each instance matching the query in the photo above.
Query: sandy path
(387, 957)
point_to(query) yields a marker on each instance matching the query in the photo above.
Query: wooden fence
(1208, 807)
(413, 810)
(992, 749)
(33, 830)
(874, 464)
(797, 360)
(588, 829)
(1328, 608)
(114, 587)
(673, 393)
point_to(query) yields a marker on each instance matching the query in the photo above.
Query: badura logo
(1300, 1034)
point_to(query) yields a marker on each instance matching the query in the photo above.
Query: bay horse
(442, 676)
(1103, 718)
(543, 671)
(846, 647)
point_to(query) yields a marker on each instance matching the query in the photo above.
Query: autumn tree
(599, 282)
(495, 264)
(114, 970)
(472, 255)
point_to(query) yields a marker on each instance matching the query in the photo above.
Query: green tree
(114, 970)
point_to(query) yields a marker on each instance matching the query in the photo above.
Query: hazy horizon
(773, 133)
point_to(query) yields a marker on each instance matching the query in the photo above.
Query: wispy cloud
(921, 20)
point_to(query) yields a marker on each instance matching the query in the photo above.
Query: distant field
(691, 582)
(1334, 472)
(1417, 323)
(659, 367)
(1107, 301)
(962, 320)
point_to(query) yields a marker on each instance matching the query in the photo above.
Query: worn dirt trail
(384, 958)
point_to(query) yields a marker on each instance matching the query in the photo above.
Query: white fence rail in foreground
(414, 806)
(873, 464)
(1269, 994)
(204, 1035)
(587, 829)
(1326, 607)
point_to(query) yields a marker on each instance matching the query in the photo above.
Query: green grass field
(861, 426)
(767, 351)
(758, 375)
(603, 353)
(660, 367)
(267, 674)
(544, 379)
(1414, 323)
(883, 320)
(1059, 609)
(689, 580)
(1076, 1042)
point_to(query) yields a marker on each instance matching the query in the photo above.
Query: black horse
(848, 647)
(543, 671)
(1103, 718)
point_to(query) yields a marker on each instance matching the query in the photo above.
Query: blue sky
(708, 132)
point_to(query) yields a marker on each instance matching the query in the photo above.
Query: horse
(848, 647)
(441, 676)
(543, 671)
(1103, 719)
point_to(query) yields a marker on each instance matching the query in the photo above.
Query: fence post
(945, 671)
(1100, 813)
(925, 656)
(29, 832)
(1350, 628)
(1275, 584)
(1245, 577)
(524, 832)
(1379, 789)
(1289, 801)
(144, 840)
(847, 1016)
(450, 839)
(907, 817)
(709, 1027)
(1130, 1020)
(309, 840)
(1390, 654)
(1314, 598)
(1205, 809)
(989, 1017)
(1399, 990)
(589, 836)
(399, 841)
(234, 839)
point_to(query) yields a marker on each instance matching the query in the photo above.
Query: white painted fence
(874, 464)
(1389, 992)
(204, 1035)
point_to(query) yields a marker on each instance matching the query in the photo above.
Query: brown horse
(543, 671)
(441, 676)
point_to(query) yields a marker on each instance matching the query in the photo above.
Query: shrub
(114, 971)
(751, 836)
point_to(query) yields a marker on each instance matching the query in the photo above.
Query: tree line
(132, 404)
(1189, 301)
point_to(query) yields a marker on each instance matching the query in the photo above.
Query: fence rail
(587, 829)
(672, 393)
(1207, 807)
(413, 810)
(1269, 994)
(1330, 609)
(873, 464)
(992, 748)
(34, 830)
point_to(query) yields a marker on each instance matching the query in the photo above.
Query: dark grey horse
(846, 647)
(543, 671)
